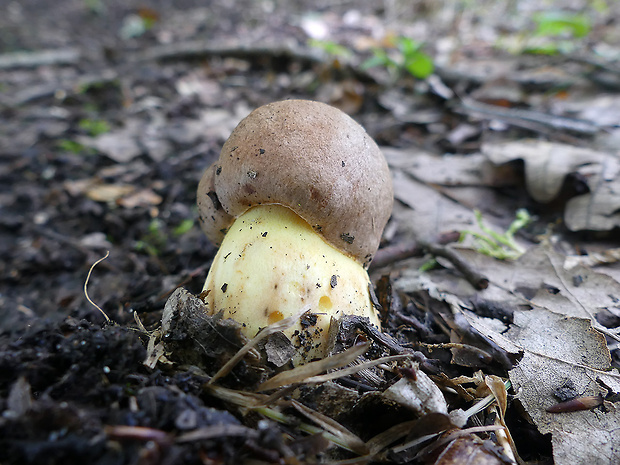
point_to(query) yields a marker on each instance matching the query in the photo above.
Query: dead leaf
(539, 278)
(592, 259)
(596, 211)
(420, 394)
(141, 198)
(446, 170)
(580, 292)
(429, 213)
(471, 449)
(548, 163)
(546, 166)
(602, 109)
(120, 145)
(108, 192)
(438, 194)
(560, 350)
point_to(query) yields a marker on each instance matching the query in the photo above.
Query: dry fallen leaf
(108, 192)
(446, 170)
(598, 210)
(546, 166)
(120, 145)
(600, 108)
(554, 313)
(427, 219)
(420, 394)
(142, 198)
(561, 352)
(538, 278)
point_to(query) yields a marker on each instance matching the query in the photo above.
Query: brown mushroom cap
(213, 218)
(312, 158)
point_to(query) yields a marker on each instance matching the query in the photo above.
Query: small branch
(528, 119)
(207, 49)
(67, 86)
(478, 280)
(63, 56)
(396, 253)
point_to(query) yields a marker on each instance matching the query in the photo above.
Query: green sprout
(558, 23)
(331, 48)
(500, 246)
(406, 56)
(557, 32)
(94, 127)
(71, 146)
(183, 227)
(428, 265)
(155, 239)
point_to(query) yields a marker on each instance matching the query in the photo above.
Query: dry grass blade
(301, 373)
(239, 398)
(383, 440)
(352, 441)
(448, 438)
(355, 368)
(498, 388)
(269, 330)
(417, 432)
(107, 254)
(333, 432)
(218, 431)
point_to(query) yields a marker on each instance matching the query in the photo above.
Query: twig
(63, 56)
(65, 86)
(476, 279)
(528, 118)
(396, 253)
(403, 251)
(196, 49)
(206, 49)
(393, 346)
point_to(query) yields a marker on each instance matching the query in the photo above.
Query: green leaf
(408, 47)
(380, 58)
(547, 49)
(420, 65)
(68, 145)
(184, 227)
(94, 127)
(331, 48)
(557, 23)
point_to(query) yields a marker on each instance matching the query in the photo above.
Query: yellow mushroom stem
(271, 264)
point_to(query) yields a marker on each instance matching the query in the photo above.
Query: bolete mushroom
(298, 201)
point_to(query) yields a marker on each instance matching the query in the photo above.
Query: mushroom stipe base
(270, 264)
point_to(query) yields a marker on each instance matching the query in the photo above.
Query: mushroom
(298, 201)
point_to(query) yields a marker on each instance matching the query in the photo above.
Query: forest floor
(111, 111)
